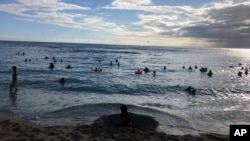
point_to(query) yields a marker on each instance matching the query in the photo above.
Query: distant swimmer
(116, 60)
(203, 70)
(191, 90)
(14, 79)
(240, 64)
(68, 67)
(210, 73)
(246, 71)
(111, 63)
(46, 57)
(239, 73)
(164, 68)
(62, 81)
(138, 72)
(154, 73)
(195, 66)
(51, 66)
(146, 70)
(190, 68)
(97, 69)
(118, 64)
(183, 67)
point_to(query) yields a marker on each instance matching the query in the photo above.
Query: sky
(180, 23)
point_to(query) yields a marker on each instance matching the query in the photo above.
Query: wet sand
(101, 130)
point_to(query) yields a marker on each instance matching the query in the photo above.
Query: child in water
(14, 79)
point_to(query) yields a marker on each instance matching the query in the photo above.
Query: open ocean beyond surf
(219, 101)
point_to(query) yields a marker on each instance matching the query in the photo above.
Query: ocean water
(219, 101)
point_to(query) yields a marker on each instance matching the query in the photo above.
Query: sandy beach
(16, 130)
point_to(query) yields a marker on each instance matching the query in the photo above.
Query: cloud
(45, 11)
(128, 4)
(25, 6)
(57, 13)
(225, 23)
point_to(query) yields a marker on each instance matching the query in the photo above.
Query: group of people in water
(13, 84)
(245, 70)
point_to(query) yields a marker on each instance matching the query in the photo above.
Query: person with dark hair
(146, 70)
(210, 73)
(164, 68)
(125, 119)
(14, 79)
(62, 81)
(51, 66)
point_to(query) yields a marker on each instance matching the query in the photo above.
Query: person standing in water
(14, 79)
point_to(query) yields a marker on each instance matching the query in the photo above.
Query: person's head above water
(14, 68)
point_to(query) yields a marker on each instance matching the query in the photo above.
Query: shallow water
(219, 101)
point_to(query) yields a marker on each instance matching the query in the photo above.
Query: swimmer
(246, 71)
(154, 73)
(51, 66)
(138, 72)
(146, 70)
(239, 73)
(210, 73)
(164, 68)
(191, 90)
(14, 79)
(62, 81)
(68, 67)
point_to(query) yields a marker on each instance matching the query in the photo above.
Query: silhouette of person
(14, 79)
(239, 73)
(51, 66)
(154, 73)
(125, 119)
(62, 81)
(210, 73)
(164, 68)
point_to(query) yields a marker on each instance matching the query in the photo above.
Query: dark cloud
(229, 26)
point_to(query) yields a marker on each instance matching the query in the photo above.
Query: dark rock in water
(138, 121)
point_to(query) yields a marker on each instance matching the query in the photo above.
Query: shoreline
(12, 129)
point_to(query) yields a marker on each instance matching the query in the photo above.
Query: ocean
(219, 101)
